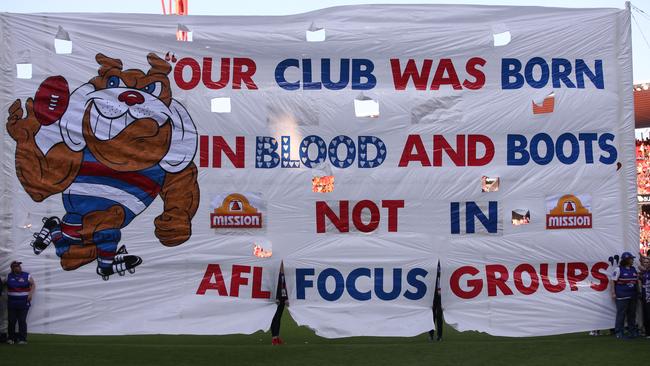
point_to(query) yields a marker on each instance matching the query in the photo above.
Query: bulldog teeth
(103, 129)
(117, 125)
(106, 128)
(94, 119)
(128, 119)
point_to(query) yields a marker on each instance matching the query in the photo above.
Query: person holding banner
(625, 278)
(437, 309)
(281, 299)
(3, 314)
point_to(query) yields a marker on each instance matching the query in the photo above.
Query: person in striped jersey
(624, 291)
(20, 289)
(121, 141)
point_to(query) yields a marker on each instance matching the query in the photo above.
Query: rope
(641, 30)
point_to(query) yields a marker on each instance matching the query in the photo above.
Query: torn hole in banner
(520, 216)
(315, 34)
(366, 107)
(500, 35)
(544, 104)
(220, 105)
(24, 71)
(489, 184)
(62, 42)
(322, 180)
(183, 33)
(322, 184)
(262, 248)
(23, 65)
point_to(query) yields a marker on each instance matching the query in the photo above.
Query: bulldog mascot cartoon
(111, 147)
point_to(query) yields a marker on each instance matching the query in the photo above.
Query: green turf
(304, 348)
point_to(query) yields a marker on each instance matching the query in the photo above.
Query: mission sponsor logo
(568, 212)
(236, 212)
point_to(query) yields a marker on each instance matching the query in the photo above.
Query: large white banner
(178, 161)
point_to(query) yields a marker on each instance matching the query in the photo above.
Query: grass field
(304, 348)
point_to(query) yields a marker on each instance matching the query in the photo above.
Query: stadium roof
(642, 105)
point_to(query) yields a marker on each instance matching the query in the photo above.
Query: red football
(51, 100)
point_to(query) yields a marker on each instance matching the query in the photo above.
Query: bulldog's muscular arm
(41, 175)
(180, 194)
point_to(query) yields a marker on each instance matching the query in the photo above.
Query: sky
(640, 45)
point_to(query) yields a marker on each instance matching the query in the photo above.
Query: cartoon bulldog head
(129, 120)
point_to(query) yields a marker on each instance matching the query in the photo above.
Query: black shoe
(43, 238)
(125, 263)
(119, 255)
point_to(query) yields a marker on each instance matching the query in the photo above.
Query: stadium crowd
(644, 235)
(643, 188)
(643, 166)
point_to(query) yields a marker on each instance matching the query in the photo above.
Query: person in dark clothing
(437, 309)
(3, 334)
(20, 288)
(281, 299)
(624, 291)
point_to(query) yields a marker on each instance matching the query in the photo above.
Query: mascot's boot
(43, 238)
(120, 254)
(120, 257)
(121, 263)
